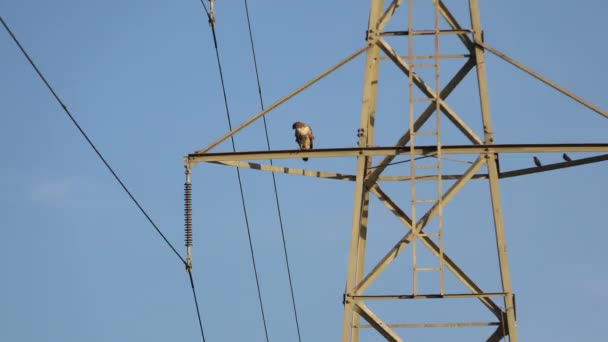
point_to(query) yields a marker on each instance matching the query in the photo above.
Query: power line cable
(274, 181)
(65, 109)
(403, 161)
(422, 157)
(198, 313)
(50, 88)
(238, 173)
(205, 8)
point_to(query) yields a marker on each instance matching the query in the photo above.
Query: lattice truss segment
(367, 177)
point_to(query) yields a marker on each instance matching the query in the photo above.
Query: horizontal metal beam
(555, 166)
(430, 296)
(193, 159)
(506, 174)
(288, 170)
(407, 178)
(434, 325)
(424, 57)
(338, 176)
(424, 32)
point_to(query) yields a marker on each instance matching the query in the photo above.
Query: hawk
(304, 136)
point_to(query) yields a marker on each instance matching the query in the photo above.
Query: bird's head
(296, 125)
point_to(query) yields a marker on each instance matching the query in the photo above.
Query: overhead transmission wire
(67, 111)
(238, 172)
(274, 181)
(198, 312)
(423, 157)
(402, 161)
(105, 162)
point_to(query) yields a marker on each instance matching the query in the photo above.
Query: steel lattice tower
(423, 217)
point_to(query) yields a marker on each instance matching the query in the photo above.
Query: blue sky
(80, 262)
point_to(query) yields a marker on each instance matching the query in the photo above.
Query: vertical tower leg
(350, 332)
(361, 255)
(508, 322)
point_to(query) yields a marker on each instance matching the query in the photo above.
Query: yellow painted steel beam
(450, 114)
(452, 191)
(376, 323)
(396, 250)
(551, 167)
(424, 116)
(407, 178)
(394, 208)
(196, 158)
(463, 277)
(365, 134)
(435, 325)
(388, 14)
(424, 32)
(451, 20)
(492, 165)
(288, 170)
(430, 296)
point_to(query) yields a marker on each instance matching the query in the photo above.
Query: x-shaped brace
(428, 242)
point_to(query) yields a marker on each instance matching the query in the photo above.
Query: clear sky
(80, 263)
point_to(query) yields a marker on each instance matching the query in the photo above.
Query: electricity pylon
(423, 217)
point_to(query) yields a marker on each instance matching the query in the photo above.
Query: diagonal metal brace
(376, 322)
(545, 80)
(403, 66)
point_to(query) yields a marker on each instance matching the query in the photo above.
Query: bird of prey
(566, 157)
(304, 136)
(537, 162)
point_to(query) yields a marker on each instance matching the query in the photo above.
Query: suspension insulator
(188, 213)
